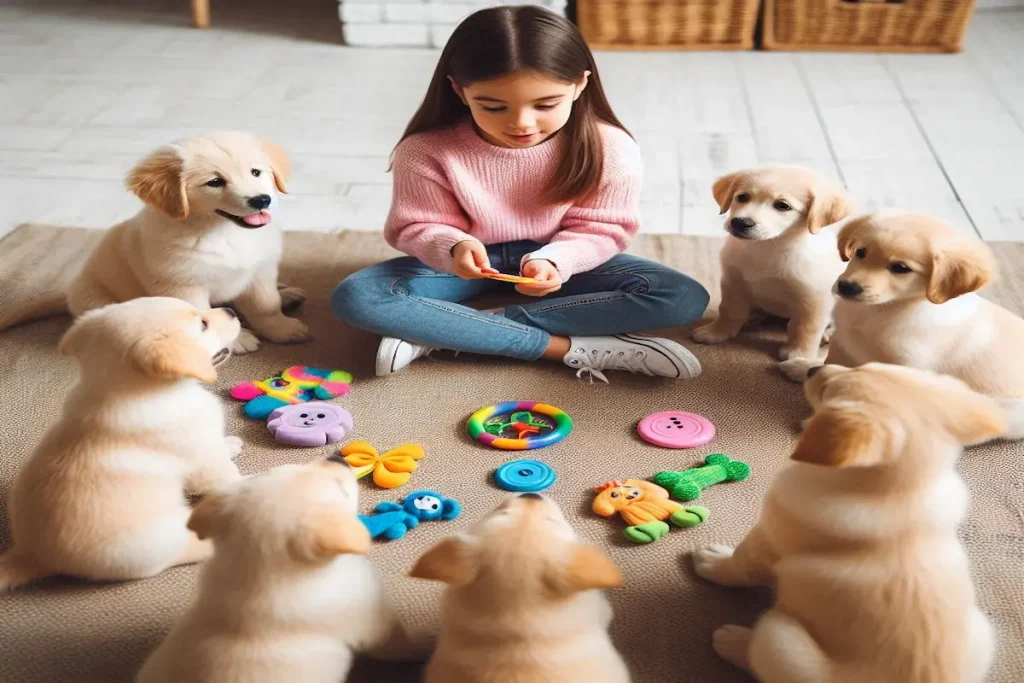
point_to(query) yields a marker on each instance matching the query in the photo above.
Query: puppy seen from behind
(101, 497)
(523, 601)
(287, 595)
(859, 534)
(780, 258)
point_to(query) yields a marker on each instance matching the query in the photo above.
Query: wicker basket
(668, 24)
(866, 25)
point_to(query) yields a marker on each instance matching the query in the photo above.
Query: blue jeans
(408, 299)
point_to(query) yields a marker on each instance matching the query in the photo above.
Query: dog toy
(297, 384)
(519, 425)
(390, 470)
(645, 507)
(310, 424)
(688, 484)
(514, 279)
(676, 429)
(393, 520)
(524, 476)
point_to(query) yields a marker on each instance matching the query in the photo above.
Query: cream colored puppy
(521, 611)
(779, 258)
(908, 296)
(286, 596)
(206, 235)
(859, 534)
(102, 495)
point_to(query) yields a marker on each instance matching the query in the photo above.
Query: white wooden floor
(87, 86)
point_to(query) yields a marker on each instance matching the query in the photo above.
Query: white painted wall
(996, 4)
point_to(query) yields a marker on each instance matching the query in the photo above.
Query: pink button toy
(676, 429)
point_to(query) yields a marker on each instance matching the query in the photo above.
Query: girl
(516, 164)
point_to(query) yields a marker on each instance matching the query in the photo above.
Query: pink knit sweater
(450, 185)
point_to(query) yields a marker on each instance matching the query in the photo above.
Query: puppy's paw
(732, 643)
(234, 445)
(710, 562)
(285, 330)
(245, 342)
(291, 298)
(710, 334)
(796, 369)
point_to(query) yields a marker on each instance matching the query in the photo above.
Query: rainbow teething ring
(530, 434)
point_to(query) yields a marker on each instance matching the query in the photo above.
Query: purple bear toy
(310, 424)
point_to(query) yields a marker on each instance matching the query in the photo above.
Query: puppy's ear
(173, 356)
(280, 164)
(328, 533)
(847, 438)
(206, 516)
(849, 234)
(158, 180)
(723, 190)
(451, 561)
(828, 206)
(588, 569)
(959, 271)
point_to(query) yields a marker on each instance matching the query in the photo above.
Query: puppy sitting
(908, 297)
(206, 235)
(779, 259)
(102, 495)
(286, 596)
(860, 536)
(521, 604)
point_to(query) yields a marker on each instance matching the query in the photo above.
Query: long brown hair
(494, 42)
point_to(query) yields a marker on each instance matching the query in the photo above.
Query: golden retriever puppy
(859, 535)
(779, 258)
(286, 595)
(102, 495)
(908, 297)
(206, 235)
(522, 603)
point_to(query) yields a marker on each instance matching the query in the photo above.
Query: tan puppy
(908, 297)
(206, 235)
(102, 495)
(860, 536)
(286, 596)
(779, 258)
(522, 604)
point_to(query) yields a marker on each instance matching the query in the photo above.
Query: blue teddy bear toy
(393, 520)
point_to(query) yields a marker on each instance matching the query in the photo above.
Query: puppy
(908, 297)
(519, 609)
(206, 235)
(860, 535)
(102, 495)
(286, 596)
(778, 259)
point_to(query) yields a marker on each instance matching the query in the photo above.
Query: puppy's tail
(1014, 408)
(17, 570)
(51, 303)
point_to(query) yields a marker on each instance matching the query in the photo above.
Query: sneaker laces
(596, 363)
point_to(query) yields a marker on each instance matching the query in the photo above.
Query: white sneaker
(633, 353)
(394, 354)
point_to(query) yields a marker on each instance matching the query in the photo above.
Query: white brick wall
(422, 23)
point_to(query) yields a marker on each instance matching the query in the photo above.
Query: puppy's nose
(849, 288)
(260, 201)
(813, 371)
(741, 224)
(531, 496)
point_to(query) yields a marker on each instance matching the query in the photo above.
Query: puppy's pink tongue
(257, 219)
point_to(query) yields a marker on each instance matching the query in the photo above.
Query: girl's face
(520, 109)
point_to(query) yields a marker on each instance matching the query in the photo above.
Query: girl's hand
(546, 275)
(471, 262)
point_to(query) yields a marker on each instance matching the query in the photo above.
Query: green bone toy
(688, 484)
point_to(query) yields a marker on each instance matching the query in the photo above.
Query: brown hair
(498, 41)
